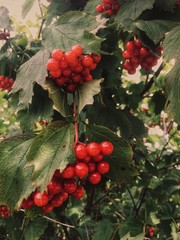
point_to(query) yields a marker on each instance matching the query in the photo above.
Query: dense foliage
(89, 114)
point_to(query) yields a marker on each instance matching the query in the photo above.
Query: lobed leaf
(52, 149)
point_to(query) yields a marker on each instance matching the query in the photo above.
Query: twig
(43, 20)
(60, 223)
(131, 196)
(142, 200)
(75, 119)
(106, 194)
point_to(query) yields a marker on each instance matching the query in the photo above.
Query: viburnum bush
(89, 114)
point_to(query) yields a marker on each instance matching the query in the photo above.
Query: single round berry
(99, 8)
(106, 148)
(103, 167)
(27, 203)
(48, 208)
(56, 73)
(68, 172)
(79, 193)
(70, 88)
(57, 200)
(93, 149)
(77, 50)
(54, 187)
(94, 177)
(70, 57)
(41, 199)
(126, 54)
(96, 58)
(57, 54)
(80, 151)
(143, 51)
(69, 185)
(65, 196)
(91, 167)
(60, 81)
(87, 61)
(52, 65)
(81, 170)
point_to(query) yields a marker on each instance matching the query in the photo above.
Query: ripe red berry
(67, 72)
(127, 65)
(79, 193)
(65, 196)
(126, 54)
(91, 167)
(52, 65)
(63, 64)
(151, 234)
(87, 61)
(60, 81)
(48, 208)
(81, 170)
(54, 187)
(41, 199)
(98, 158)
(57, 200)
(99, 8)
(77, 50)
(94, 177)
(93, 149)
(103, 167)
(132, 71)
(130, 45)
(70, 88)
(81, 151)
(96, 58)
(69, 185)
(57, 54)
(144, 51)
(27, 203)
(70, 57)
(56, 73)
(68, 172)
(138, 43)
(106, 148)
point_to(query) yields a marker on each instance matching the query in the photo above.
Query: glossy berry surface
(106, 148)
(41, 199)
(69, 185)
(79, 193)
(103, 167)
(81, 151)
(93, 149)
(94, 177)
(81, 170)
(68, 172)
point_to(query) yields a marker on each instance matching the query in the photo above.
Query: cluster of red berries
(72, 68)
(6, 83)
(136, 54)
(67, 183)
(4, 211)
(110, 7)
(90, 160)
(150, 231)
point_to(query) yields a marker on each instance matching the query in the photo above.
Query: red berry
(99, 8)
(65, 196)
(67, 72)
(81, 151)
(138, 43)
(52, 65)
(68, 172)
(57, 200)
(126, 54)
(106, 148)
(63, 64)
(48, 208)
(151, 234)
(98, 158)
(41, 199)
(69, 185)
(74, 64)
(91, 167)
(54, 187)
(89, 78)
(27, 203)
(130, 45)
(103, 167)
(81, 170)
(77, 50)
(127, 65)
(78, 68)
(87, 61)
(70, 57)
(70, 88)
(93, 149)
(94, 177)
(56, 74)
(76, 78)
(132, 71)
(60, 81)
(57, 54)
(144, 51)
(79, 193)
(96, 58)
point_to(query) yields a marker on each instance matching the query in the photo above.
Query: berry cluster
(6, 83)
(110, 7)
(72, 68)
(4, 211)
(150, 231)
(67, 183)
(90, 160)
(136, 54)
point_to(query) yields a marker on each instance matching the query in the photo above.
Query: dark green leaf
(121, 169)
(26, 7)
(171, 44)
(91, 6)
(34, 70)
(35, 229)
(52, 149)
(132, 225)
(103, 228)
(14, 178)
(86, 92)
(165, 5)
(70, 30)
(155, 29)
(132, 9)
(173, 90)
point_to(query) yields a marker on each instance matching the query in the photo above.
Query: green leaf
(91, 6)
(121, 169)
(134, 225)
(165, 5)
(103, 228)
(5, 21)
(34, 70)
(171, 44)
(173, 91)
(59, 98)
(14, 177)
(86, 92)
(52, 149)
(155, 29)
(69, 30)
(26, 7)
(35, 112)
(35, 229)
(56, 8)
(132, 9)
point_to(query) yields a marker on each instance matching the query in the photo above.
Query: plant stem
(43, 20)
(131, 196)
(75, 119)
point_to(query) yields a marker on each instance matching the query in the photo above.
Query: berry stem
(75, 119)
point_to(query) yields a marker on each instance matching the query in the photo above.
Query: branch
(131, 196)
(151, 81)
(43, 20)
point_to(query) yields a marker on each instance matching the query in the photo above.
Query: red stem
(75, 119)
